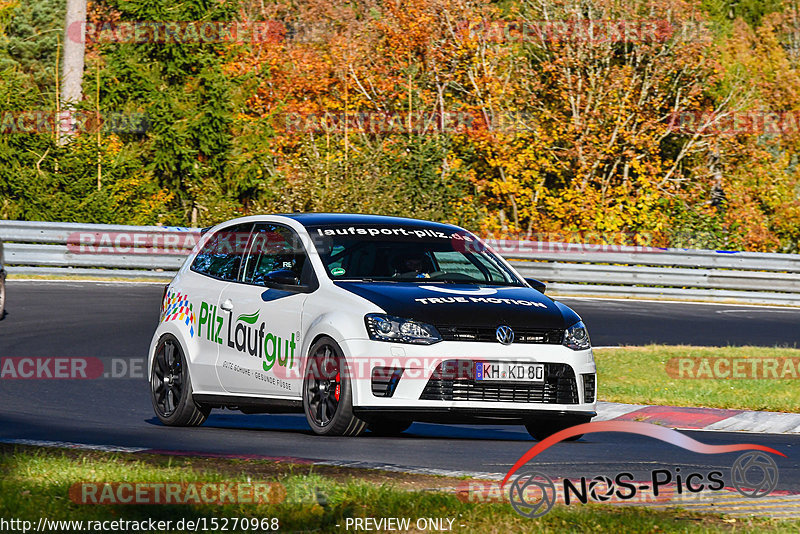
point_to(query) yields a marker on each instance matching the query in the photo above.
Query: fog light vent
(588, 387)
(385, 380)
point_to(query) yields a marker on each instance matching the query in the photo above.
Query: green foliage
(752, 11)
(595, 153)
(187, 97)
(29, 42)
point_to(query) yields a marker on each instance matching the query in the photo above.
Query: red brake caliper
(338, 388)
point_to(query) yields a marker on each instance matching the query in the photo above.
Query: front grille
(588, 387)
(489, 335)
(384, 380)
(454, 380)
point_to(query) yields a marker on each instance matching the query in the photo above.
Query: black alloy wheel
(327, 393)
(171, 387)
(324, 386)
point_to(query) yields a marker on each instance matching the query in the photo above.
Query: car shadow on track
(297, 424)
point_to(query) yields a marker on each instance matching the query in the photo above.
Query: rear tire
(388, 427)
(327, 392)
(171, 386)
(540, 430)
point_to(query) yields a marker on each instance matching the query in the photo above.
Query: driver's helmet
(413, 262)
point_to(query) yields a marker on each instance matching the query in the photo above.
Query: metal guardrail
(60, 256)
(120, 251)
(155, 252)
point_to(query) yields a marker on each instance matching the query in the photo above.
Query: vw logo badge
(505, 335)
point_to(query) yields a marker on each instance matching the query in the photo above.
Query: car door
(261, 354)
(214, 267)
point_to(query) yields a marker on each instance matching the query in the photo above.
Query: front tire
(540, 430)
(327, 392)
(171, 387)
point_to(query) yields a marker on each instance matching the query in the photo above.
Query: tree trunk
(72, 67)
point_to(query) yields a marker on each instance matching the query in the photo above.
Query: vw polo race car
(364, 321)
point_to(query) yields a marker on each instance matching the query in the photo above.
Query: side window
(275, 251)
(221, 256)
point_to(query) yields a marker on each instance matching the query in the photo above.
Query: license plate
(509, 372)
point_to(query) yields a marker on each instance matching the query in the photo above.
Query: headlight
(387, 328)
(576, 337)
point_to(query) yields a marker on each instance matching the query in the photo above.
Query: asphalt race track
(117, 321)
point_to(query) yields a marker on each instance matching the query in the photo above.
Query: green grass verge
(35, 483)
(639, 375)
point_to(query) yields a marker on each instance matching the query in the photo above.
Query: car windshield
(407, 254)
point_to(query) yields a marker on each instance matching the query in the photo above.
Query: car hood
(465, 304)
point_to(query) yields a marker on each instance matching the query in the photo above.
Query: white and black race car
(364, 321)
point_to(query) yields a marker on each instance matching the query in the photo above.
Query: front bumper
(459, 415)
(418, 388)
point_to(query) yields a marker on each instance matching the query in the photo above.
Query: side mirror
(536, 284)
(283, 277)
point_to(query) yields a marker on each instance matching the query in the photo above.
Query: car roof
(336, 219)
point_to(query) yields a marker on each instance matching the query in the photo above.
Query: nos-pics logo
(532, 494)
